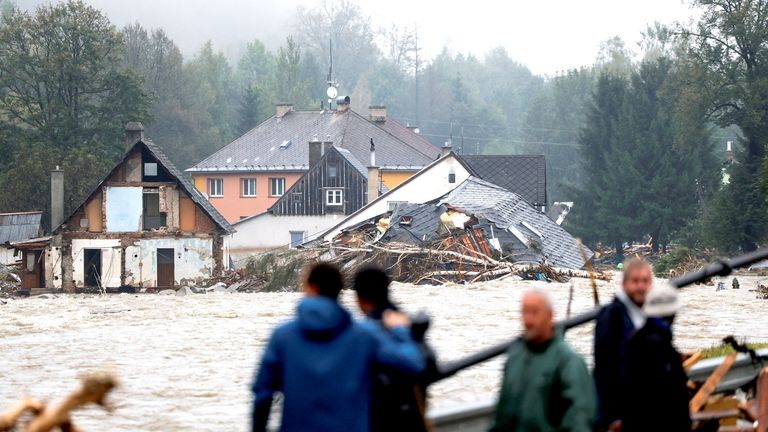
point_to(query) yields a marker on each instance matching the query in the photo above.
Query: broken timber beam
(701, 397)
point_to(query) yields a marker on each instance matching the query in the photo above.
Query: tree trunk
(619, 252)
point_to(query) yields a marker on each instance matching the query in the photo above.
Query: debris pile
(10, 281)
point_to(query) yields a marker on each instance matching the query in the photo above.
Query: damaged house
(475, 231)
(14, 228)
(144, 227)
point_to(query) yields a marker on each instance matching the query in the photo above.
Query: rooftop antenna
(332, 90)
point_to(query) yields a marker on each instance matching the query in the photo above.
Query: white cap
(662, 301)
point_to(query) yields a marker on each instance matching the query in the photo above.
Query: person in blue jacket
(322, 361)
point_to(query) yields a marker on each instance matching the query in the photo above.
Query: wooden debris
(94, 390)
(692, 360)
(701, 397)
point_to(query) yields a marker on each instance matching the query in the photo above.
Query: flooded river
(185, 363)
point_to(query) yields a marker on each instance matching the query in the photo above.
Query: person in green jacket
(546, 386)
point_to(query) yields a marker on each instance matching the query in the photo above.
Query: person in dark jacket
(615, 325)
(322, 362)
(546, 386)
(398, 399)
(656, 394)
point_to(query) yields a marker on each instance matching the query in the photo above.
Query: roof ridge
(392, 135)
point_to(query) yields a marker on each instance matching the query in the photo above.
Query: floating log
(94, 390)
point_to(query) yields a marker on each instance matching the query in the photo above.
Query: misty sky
(546, 35)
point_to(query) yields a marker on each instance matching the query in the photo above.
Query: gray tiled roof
(282, 143)
(346, 154)
(522, 174)
(508, 210)
(16, 227)
(193, 193)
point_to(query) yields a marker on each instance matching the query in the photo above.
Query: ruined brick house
(144, 227)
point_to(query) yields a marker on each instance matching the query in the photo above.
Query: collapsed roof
(510, 224)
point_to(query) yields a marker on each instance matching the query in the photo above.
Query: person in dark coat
(615, 325)
(322, 362)
(398, 399)
(656, 394)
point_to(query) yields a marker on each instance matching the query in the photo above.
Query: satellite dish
(332, 92)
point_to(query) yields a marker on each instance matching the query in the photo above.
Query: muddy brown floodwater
(185, 363)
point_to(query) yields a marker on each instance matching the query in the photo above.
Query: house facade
(144, 227)
(249, 175)
(336, 185)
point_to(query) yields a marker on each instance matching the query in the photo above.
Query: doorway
(34, 269)
(166, 277)
(92, 270)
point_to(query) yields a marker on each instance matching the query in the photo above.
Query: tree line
(636, 144)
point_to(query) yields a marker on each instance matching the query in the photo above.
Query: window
(215, 187)
(276, 186)
(153, 218)
(248, 187)
(150, 169)
(297, 238)
(334, 197)
(333, 171)
(451, 178)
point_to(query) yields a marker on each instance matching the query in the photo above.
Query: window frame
(290, 238)
(274, 181)
(243, 182)
(213, 180)
(332, 193)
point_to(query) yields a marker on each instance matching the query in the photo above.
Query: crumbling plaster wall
(193, 260)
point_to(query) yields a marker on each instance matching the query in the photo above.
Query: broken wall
(111, 255)
(193, 260)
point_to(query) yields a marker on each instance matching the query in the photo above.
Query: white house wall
(427, 185)
(193, 260)
(7, 255)
(53, 266)
(110, 260)
(267, 232)
(124, 206)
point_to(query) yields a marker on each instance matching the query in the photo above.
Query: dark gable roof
(188, 187)
(523, 175)
(507, 210)
(185, 184)
(260, 148)
(16, 227)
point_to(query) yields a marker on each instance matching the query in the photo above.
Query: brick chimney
(134, 131)
(57, 198)
(342, 103)
(282, 109)
(316, 151)
(374, 180)
(377, 113)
